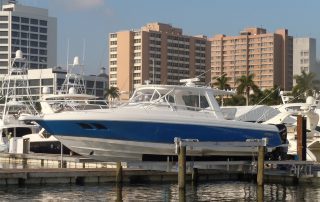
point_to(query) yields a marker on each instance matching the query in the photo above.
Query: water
(217, 191)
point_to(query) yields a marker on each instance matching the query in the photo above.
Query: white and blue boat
(148, 124)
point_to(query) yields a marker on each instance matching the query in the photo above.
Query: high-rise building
(30, 30)
(159, 53)
(266, 55)
(304, 56)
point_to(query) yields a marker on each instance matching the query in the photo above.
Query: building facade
(159, 53)
(30, 30)
(53, 78)
(304, 56)
(266, 55)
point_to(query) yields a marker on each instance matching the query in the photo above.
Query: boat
(11, 128)
(146, 126)
(70, 97)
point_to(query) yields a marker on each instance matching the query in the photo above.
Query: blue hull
(155, 132)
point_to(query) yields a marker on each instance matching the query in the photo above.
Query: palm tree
(305, 83)
(246, 83)
(222, 84)
(111, 93)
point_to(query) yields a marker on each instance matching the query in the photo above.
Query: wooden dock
(82, 170)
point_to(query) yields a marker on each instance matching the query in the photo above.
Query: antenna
(68, 56)
(84, 50)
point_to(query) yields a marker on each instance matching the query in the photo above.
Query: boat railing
(165, 103)
(75, 105)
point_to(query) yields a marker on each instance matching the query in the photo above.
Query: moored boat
(148, 124)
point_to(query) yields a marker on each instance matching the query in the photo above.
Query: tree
(222, 84)
(111, 93)
(305, 83)
(267, 96)
(245, 84)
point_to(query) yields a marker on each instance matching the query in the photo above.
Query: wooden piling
(260, 193)
(194, 175)
(119, 173)
(182, 167)
(260, 173)
(301, 137)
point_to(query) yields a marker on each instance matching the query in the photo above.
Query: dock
(78, 170)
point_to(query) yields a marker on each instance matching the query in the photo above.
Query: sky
(86, 24)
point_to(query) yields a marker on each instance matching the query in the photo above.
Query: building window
(34, 21)
(4, 41)
(43, 22)
(46, 82)
(24, 35)
(113, 35)
(99, 84)
(33, 29)
(43, 37)
(14, 18)
(3, 56)
(43, 30)
(34, 82)
(24, 42)
(15, 26)
(25, 27)
(34, 36)
(25, 20)
(33, 44)
(3, 33)
(3, 18)
(15, 41)
(14, 34)
(43, 45)
(3, 25)
(33, 51)
(43, 52)
(3, 48)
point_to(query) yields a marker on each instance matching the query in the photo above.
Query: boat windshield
(175, 98)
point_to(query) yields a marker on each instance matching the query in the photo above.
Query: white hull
(117, 150)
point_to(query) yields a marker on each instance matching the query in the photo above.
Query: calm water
(220, 191)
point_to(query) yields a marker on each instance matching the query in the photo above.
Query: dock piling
(182, 167)
(260, 172)
(194, 175)
(301, 137)
(119, 173)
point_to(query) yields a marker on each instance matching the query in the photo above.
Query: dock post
(119, 173)
(260, 173)
(182, 167)
(301, 137)
(194, 175)
(61, 155)
(168, 164)
(260, 193)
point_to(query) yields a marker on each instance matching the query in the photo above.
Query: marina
(169, 117)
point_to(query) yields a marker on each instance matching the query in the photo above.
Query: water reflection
(219, 191)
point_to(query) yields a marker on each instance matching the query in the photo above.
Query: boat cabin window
(195, 102)
(148, 96)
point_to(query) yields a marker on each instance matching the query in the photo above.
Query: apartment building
(266, 55)
(304, 56)
(159, 53)
(30, 30)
